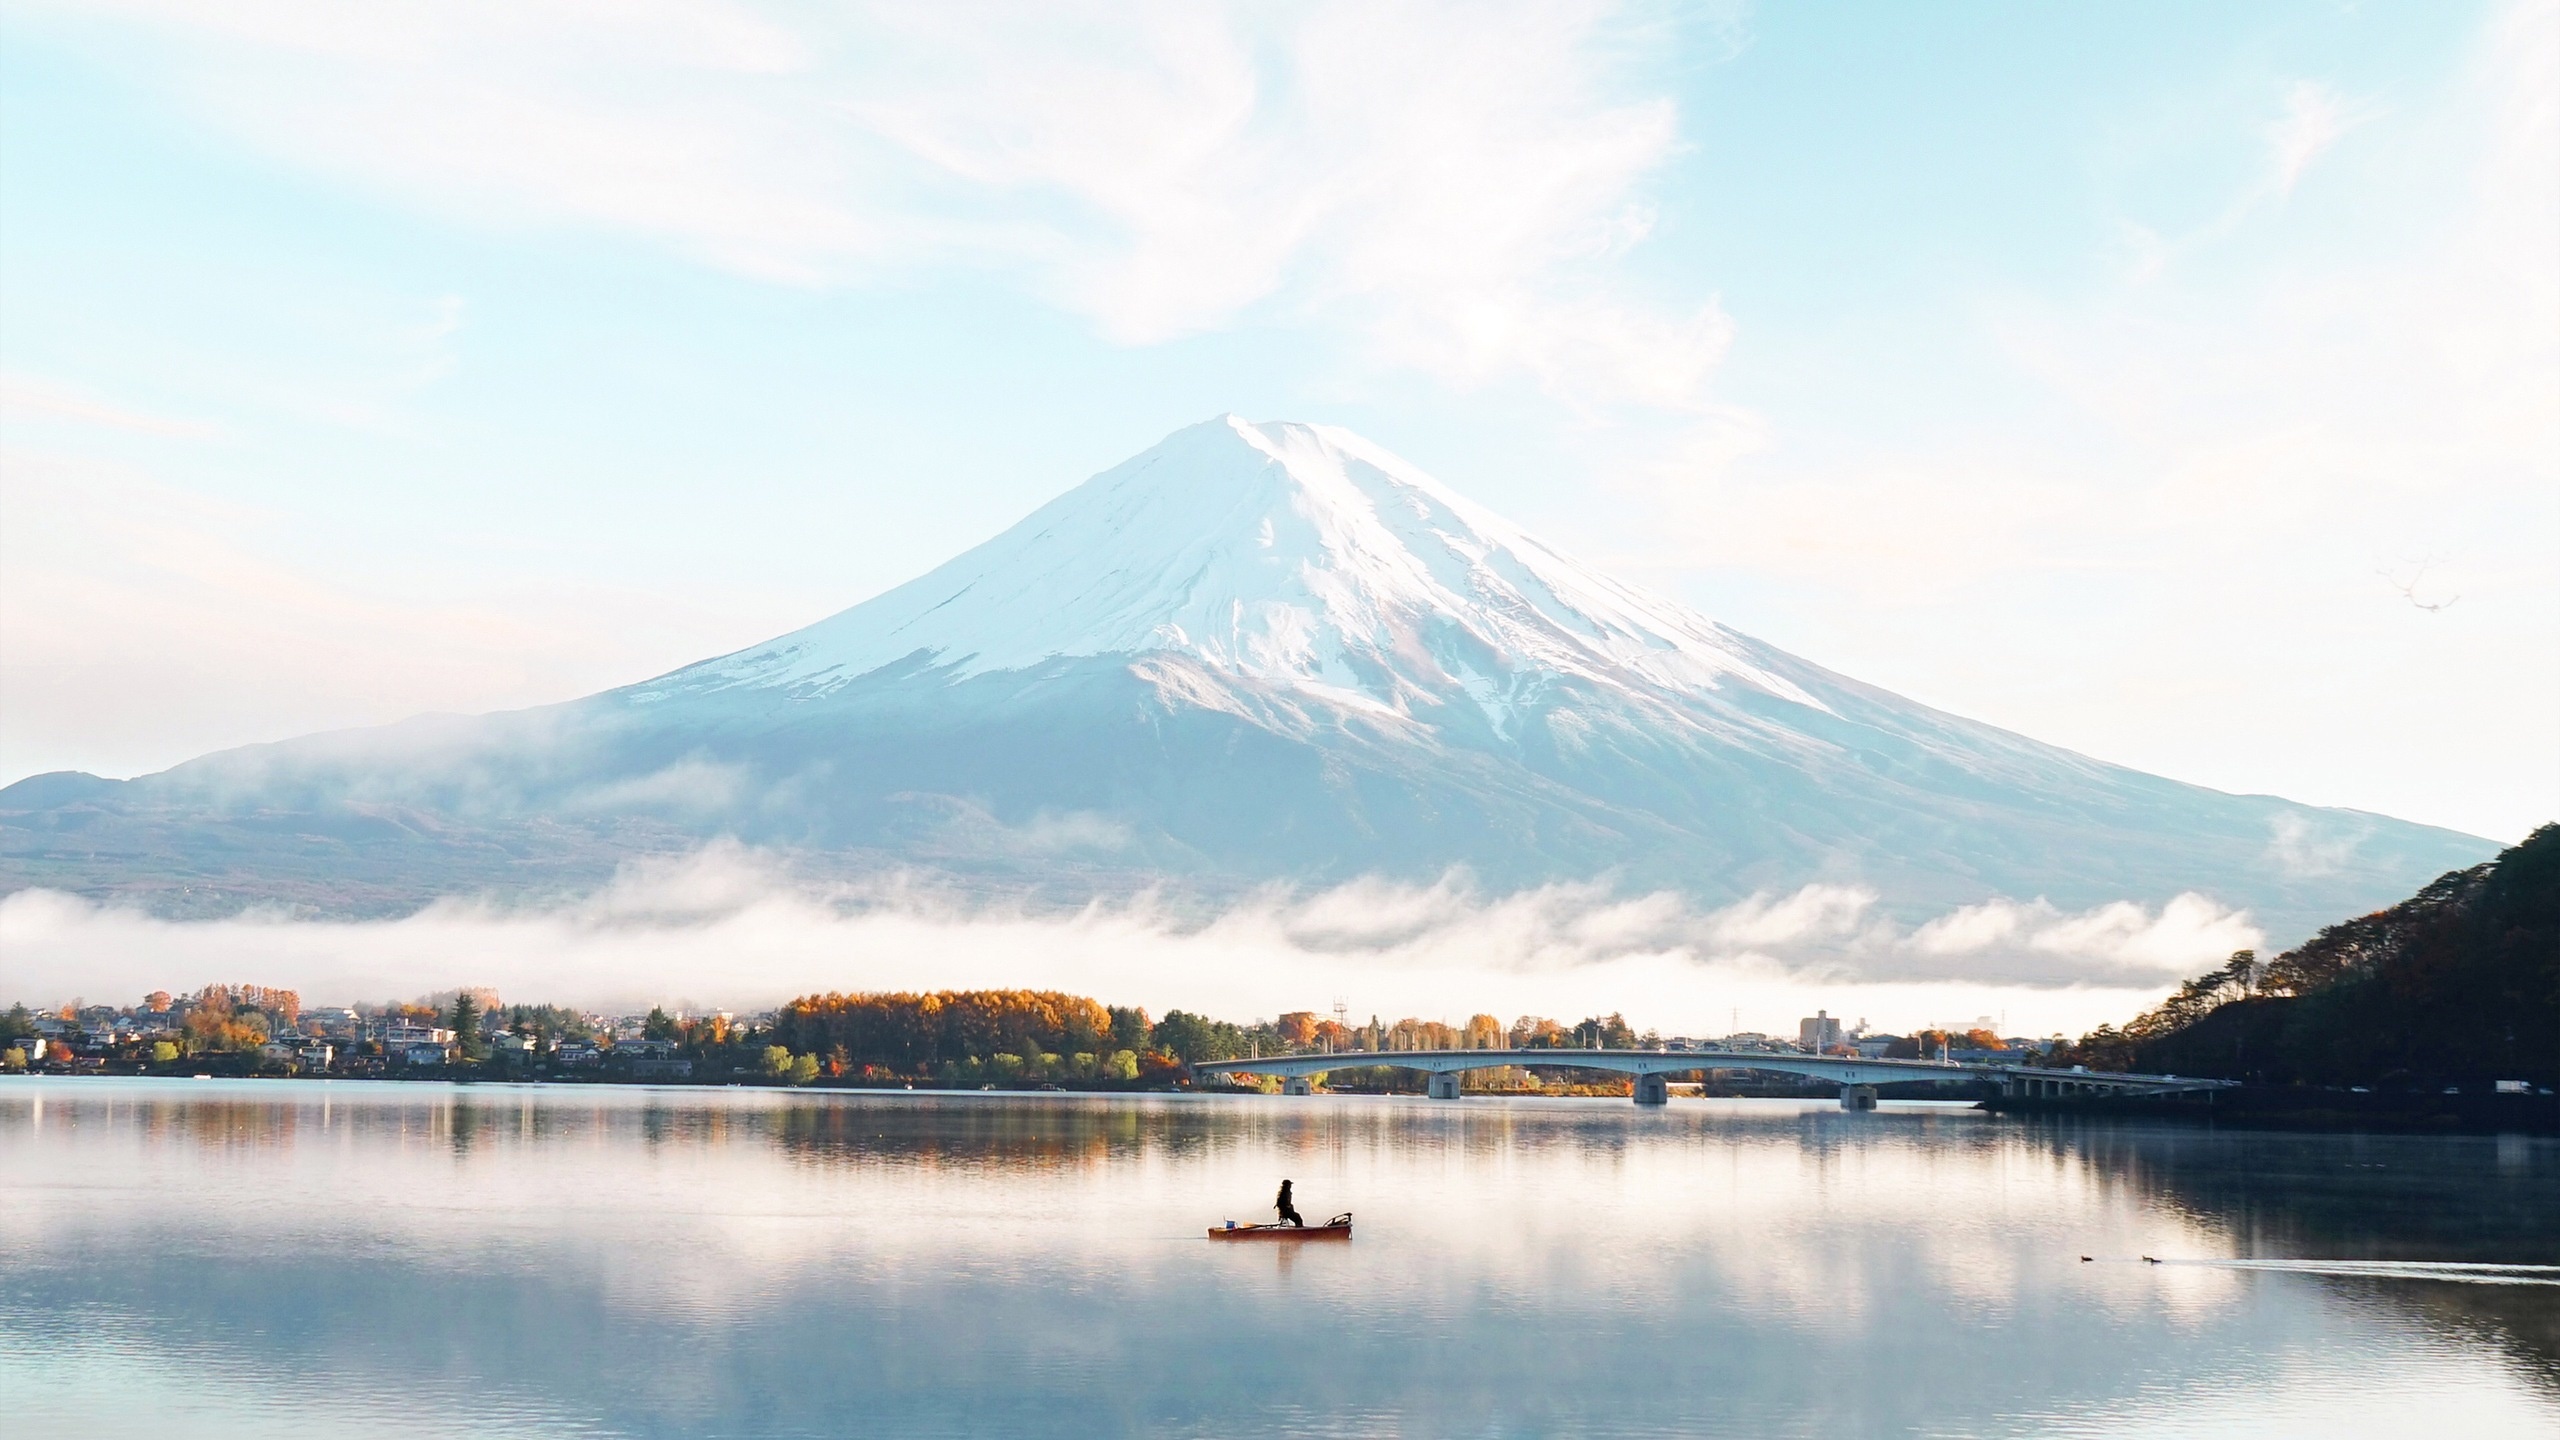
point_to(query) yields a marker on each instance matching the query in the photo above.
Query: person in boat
(1288, 1211)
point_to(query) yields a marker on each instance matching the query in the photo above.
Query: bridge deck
(1846, 1070)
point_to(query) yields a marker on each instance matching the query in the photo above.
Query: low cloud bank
(725, 927)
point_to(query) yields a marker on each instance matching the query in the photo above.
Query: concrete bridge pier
(1297, 1085)
(1652, 1089)
(1857, 1097)
(1444, 1085)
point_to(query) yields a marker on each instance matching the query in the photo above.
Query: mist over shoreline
(726, 927)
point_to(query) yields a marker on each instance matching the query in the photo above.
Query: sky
(2178, 383)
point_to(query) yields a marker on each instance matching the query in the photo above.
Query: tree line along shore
(2459, 985)
(965, 1039)
(2456, 989)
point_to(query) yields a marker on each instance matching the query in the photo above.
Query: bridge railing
(1650, 1066)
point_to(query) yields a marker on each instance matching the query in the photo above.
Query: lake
(286, 1259)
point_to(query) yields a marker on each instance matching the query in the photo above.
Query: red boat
(1337, 1228)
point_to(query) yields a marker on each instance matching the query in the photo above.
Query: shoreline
(2277, 1107)
(2253, 1108)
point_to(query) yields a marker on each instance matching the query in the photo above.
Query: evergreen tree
(466, 1027)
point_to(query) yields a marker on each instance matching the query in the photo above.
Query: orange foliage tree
(283, 1006)
(1534, 1032)
(218, 1027)
(915, 1034)
(1412, 1034)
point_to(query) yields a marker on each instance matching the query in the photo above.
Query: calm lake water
(283, 1259)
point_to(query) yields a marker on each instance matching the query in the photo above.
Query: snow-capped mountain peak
(1253, 655)
(1302, 557)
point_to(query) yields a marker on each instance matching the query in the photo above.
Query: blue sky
(2180, 383)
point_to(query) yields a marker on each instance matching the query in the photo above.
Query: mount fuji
(1255, 653)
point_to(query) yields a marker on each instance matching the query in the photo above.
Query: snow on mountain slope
(1254, 654)
(1300, 556)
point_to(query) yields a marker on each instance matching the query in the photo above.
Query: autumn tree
(282, 1006)
(1083, 1028)
(1537, 1032)
(2459, 981)
(213, 1026)
(917, 1034)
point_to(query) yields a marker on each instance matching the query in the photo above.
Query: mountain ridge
(1250, 654)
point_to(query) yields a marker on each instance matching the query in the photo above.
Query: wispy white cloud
(1455, 182)
(2315, 116)
(1811, 916)
(2211, 467)
(2301, 849)
(692, 786)
(730, 925)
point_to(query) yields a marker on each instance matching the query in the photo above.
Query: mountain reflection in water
(277, 1259)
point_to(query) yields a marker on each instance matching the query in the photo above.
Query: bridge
(1857, 1076)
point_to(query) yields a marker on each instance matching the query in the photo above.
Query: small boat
(1337, 1228)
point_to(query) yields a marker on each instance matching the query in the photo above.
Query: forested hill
(2458, 983)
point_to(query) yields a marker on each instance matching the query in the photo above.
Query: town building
(1818, 1032)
